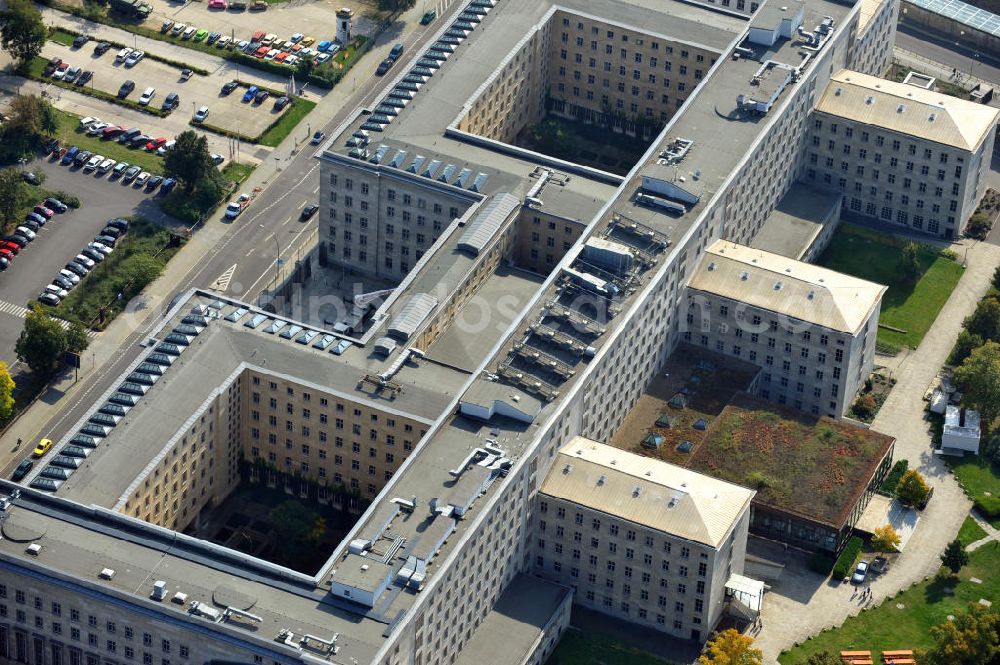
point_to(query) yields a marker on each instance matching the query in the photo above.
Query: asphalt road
(249, 244)
(967, 61)
(62, 238)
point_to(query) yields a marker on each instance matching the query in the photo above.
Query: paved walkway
(799, 606)
(991, 533)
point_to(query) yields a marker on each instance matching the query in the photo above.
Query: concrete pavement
(991, 533)
(800, 605)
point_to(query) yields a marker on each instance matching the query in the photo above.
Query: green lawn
(923, 605)
(874, 256)
(978, 476)
(970, 531)
(68, 135)
(276, 133)
(579, 648)
(27, 197)
(236, 172)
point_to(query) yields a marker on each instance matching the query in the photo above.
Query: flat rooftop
(217, 354)
(801, 216)
(816, 468)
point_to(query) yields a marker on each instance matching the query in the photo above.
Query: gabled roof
(802, 291)
(907, 109)
(646, 491)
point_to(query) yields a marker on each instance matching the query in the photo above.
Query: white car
(26, 232)
(147, 96)
(88, 121)
(134, 57)
(97, 128)
(106, 166)
(223, 41)
(57, 291)
(59, 74)
(86, 262)
(141, 180)
(72, 277)
(199, 116)
(322, 57)
(271, 54)
(233, 210)
(162, 150)
(123, 54)
(189, 32)
(93, 162)
(98, 247)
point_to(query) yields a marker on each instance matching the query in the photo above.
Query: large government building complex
(465, 420)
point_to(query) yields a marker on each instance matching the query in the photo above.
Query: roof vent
(811, 295)
(567, 468)
(932, 117)
(744, 276)
(838, 92)
(869, 100)
(900, 108)
(636, 491)
(778, 286)
(711, 266)
(601, 480)
(34, 549)
(107, 573)
(672, 502)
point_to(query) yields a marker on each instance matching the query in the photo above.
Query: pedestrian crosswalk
(22, 312)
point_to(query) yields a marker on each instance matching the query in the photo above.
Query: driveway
(801, 605)
(227, 112)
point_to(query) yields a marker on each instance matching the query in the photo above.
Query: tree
(965, 344)
(189, 161)
(22, 32)
(996, 278)
(886, 539)
(6, 393)
(985, 321)
(42, 343)
(955, 556)
(76, 338)
(823, 658)
(298, 528)
(29, 119)
(730, 647)
(11, 193)
(909, 262)
(396, 6)
(912, 489)
(972, 638)
(979, 378)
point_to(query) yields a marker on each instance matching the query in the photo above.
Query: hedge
(845, 562)
(892, 478)
(988, 506)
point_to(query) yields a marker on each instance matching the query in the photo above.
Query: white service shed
(961, 430)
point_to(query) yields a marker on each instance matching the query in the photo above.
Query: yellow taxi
(42, 447)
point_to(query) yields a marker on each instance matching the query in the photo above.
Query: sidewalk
(793, 612)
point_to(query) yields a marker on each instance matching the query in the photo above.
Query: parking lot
(225, 112)
(62, 238)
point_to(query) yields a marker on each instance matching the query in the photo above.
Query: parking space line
(252, 250)
(316, 190)
(286, 221)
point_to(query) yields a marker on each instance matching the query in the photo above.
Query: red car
(12, 247)
(43, 211)
(156, 143)
(261, 52)
(258, 36)
(112, 132)
(6, 253)
(281, 57)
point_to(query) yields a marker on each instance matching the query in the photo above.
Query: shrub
(996, 278)
(865, 407)
(893, 477)
(966, 343)
(988, 506)
(979, 226)
(72, 200)
(912, 489)
(845, 562)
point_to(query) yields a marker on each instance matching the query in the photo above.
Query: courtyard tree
(985, 320)
(22, 32)
(886, 539)
(298, 528)
(912, 489)
(979, 378)
(6, 393)
(29, 119)
(42, 343)
(955, 556)
(730, 647)
(909, 262)
(76, 338)
(972, 638)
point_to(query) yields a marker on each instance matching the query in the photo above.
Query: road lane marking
(251, 252)
(222, 283)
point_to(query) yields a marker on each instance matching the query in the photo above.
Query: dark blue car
(168, 185)
(70, 154)
(250, 93)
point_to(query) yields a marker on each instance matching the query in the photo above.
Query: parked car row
(59, 70)
(11, 245)
(81, 265)
(264, 45)
(124, 172)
